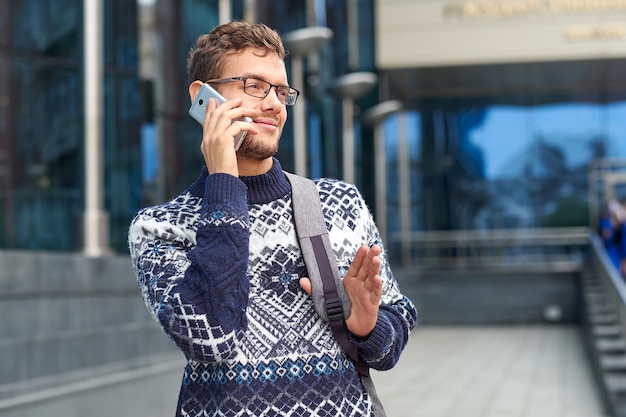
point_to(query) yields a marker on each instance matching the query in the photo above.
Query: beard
(257, 149)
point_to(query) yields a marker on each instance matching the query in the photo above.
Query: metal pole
(381, 181)
(299, 119)
(404, 188)
(376, 117)
(352, 18)
(95, 226)
(348, 141)
(224, 11)
(249, 11)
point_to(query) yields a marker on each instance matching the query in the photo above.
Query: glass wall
(500, 166)
(544, 152)
(41, 123)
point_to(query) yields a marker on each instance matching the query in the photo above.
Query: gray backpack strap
(329, 296)
(331, 299)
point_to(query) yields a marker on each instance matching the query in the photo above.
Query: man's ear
(194, 87)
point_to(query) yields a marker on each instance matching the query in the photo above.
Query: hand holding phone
(199, 105)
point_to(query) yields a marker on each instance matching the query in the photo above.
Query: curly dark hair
(204, 60)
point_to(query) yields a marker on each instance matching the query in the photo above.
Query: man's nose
(272, 98)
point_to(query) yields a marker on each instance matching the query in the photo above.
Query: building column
(95, 222)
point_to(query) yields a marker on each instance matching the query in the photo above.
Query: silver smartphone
(198, 110)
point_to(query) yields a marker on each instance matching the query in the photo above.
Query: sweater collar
(262, 189)
(267, 187)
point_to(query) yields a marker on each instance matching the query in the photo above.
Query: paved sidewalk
(484, 371)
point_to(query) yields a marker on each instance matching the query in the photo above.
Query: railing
(607, 179)
(558, 249)
(605, 312)
(609, 278)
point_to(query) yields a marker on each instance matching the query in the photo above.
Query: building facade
(508, 105)
(503, 107)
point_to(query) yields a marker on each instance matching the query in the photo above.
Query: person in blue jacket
(613, 232)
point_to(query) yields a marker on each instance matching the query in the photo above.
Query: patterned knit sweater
(219, 268)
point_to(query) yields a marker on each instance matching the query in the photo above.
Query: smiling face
(272, 114)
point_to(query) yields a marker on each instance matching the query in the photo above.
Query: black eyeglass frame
(245, 79)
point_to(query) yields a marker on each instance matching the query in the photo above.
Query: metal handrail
(602, 175)
(609, 277)
(545, 248)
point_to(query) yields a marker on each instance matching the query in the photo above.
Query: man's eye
(254, 86)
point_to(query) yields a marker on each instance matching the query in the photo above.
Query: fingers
(364, 287)
(365, 263)
(222, 116)
(305, 283)
(374, 260)
(219, 131)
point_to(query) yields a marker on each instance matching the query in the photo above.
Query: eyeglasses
(260, 89)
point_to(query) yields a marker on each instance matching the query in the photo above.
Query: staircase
(605, 336)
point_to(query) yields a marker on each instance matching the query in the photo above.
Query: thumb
(305, 283)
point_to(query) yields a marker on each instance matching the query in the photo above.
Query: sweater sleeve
(190, 257)
(397, 315)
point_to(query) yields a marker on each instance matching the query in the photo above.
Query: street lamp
(96, 220)
(375, 116)
(300, 43)
(224, 11)
(350, 87)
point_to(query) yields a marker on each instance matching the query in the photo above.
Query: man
(221, 270)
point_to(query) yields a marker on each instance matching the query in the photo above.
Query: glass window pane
(616, 129)
(502, 138)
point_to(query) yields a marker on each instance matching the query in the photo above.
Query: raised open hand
(364, 287)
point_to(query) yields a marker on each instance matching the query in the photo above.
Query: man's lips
(266, 123)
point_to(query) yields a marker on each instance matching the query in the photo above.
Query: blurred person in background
(622, 227)
(220, 267)
(613, 232)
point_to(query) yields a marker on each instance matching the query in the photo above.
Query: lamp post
(95, 222)
(300, 43)
(375, 117)
(224, 11)
(350, 87)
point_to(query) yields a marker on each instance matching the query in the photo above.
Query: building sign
(447, 33)
(508, 8)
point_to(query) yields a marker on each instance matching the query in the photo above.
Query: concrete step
(604, 317)
(594, 292)
(592, 287)
(616, 382)
(595, 298)
(611, 345)
(601, 308)
(606, 330)
(613, 362)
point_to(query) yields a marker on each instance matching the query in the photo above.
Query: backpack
(329, 296)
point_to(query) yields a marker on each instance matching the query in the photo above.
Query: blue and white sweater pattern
(219, 268)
